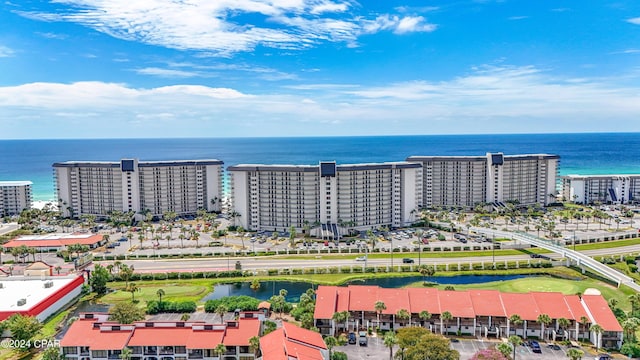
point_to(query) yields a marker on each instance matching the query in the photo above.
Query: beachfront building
(15, 196)
(604, 189)
(97, 188)
(467, 181)
(327, 196)
(94, 337)
(484, 313)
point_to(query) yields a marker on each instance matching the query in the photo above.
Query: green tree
(254, 345)
(125, 354)
(424, 316)
(133, 288)
(574, 354)
(563, 324)
(544, 320)
(125, 313)
(630, 326)
(255, 285)
(23, 328)
(220, 349)
(420, 344)
(390, 341)
(160, 294)
(221, 310)
(379, 307)
(330, 341)
(504, 348)
(426, 270)
(341, 317)
(598, 330)
(515, 341)
(516, 320)
(52, 353)
(403, 315)
(446, 317)
(99, 278)
(126, 273)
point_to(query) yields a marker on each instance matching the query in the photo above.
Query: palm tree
(133, 288)
(446, 317)
(516, 320)
(330, 341)
(425, 271)
(424, 316)
(185, 317)
(544, 320)
(220, 349)
(255, 285)
(403, 314)
(341, 316)
(254, 345)
(160, 294)
(630, 326)
(125, 354)
(574, 354)
(389, 341)
(379, 307)
(597, 330)
(515, 342)
(221, 310)
(563, 324)
(584, 321)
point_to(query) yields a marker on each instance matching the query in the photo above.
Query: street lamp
(574, 240)
(391, 253)
(493, 249)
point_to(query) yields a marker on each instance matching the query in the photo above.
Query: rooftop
(54, 240)
(15, 183)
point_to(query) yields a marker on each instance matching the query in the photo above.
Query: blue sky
(229, 68)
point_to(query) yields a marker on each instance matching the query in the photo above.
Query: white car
(361, 258)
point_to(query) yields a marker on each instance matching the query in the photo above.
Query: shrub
(233, 302)
(155, 307)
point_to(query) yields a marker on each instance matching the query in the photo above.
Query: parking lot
(466, 347)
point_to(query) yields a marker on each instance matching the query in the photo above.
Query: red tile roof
(299, 334)
(577, 310)
(424, 299)
(487, 302)
(273, 346)
(552, 304)
(458, 303)
(343, 299)
(264, 305)
(204, 339)
(166, 336)
(325, 302)
(291, 341)
(521, 304)
(393, 299)
(239, 336)
(82, 333)
(362, 297)
(60, 242)
(601, 313)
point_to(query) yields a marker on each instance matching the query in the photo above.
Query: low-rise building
(94, 337)
(293, 343)
(39, 296)
(473, 312)
(604, 189)
(55, 242)
(15, 196)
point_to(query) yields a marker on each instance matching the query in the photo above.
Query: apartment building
(483, 313)
(94, 337)
(356, 196)
(15, 196)
(467, 181)
(605, 189)
(97, 188)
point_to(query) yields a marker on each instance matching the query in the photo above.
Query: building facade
(94, 337)
(15, 196)
(605, 189)
(467, 181)
(483, 313)
(358, 196)
(97, 188)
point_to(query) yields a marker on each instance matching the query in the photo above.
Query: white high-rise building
(589, 189)
(468, 181)
(97, 188)
(15, 196)
(357, 196)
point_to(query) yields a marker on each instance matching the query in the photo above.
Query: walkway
(576, 257)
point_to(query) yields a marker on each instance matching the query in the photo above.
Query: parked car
(407, 261)
(362, 338)
(352, 338)
(603, 357)
(535, 346)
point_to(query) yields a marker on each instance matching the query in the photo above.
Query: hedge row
(180, 307)
(242, 302)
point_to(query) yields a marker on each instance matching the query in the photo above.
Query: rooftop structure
(605, 189)
(97, 188)
(495, 178)
(38, 296)
(293, 342)
(474, 312)
(356, 196)
(48, 242)
(94, 337)
(15, 196)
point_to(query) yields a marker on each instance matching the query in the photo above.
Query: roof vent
(22, 302)
(1, 286)
(48, 284)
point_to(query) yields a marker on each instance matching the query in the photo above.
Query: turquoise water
(592, 153)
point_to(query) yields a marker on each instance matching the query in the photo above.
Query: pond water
(295, 288)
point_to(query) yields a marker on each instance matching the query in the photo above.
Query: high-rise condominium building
(494, 178)
(15, 196)
(588, 189)
(97, 188)
(359, 196)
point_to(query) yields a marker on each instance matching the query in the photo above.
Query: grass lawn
(606, 244)
(174, 291)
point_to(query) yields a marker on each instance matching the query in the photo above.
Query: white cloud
(517, 17)
(217, 28)
(488, 99)
(6, 52)
(50, 35)
(167, 73)
(634, 20)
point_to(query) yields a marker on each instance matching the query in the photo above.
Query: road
(261, 263)
(7, 228)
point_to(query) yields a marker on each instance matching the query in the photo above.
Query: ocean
(588, 153)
